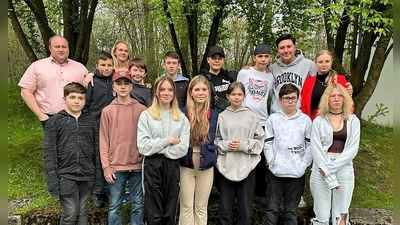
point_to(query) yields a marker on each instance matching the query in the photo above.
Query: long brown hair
(199, 124)
(155, 108)
(332, 76)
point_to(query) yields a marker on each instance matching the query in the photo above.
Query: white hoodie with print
(287, 144)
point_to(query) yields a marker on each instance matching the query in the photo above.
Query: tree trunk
(77, 22)
(174, 37)
(378, 61)
(190, 9)
(20, 33)
(360, 41)
(212, 38)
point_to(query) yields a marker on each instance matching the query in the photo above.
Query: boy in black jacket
(171, 65)
(99, 96)
(218, 77)
(71, 156)
(140, 92)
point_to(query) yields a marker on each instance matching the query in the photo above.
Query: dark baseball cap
(216, 50)
(262, 49)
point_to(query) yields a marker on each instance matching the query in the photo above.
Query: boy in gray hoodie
(291, 67)
(288, 154)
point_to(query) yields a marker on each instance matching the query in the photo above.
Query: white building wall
(382, 94)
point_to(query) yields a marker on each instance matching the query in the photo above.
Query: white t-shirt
(258, 86)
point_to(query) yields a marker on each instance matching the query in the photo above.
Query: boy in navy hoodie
(71, 156)
(97, 97)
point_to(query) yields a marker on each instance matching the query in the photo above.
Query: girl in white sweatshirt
(163, 138)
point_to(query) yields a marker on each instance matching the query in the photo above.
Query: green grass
(25, 154)
(373, 164)
(374, 168)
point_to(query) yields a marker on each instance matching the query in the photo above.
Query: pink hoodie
(118, 136)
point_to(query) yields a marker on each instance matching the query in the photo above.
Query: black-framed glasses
(288, 99)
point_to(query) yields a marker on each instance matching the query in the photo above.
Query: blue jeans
(74, 197)
(332, 202)
(117, 192)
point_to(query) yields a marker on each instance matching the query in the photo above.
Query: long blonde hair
(324, 107)
(199, 123)
(115, 60)
(332, 76)
(155, 108)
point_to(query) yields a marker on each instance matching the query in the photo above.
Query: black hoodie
(219, 85)
(100, 95)
(71, 150)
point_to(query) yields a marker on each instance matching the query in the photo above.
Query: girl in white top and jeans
(335, 137)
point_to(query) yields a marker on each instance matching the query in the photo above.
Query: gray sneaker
(302, 203)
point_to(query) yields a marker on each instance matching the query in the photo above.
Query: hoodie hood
(295, 116)
(126, 110)
(299, 57)
(241, 109)
(180, 77)
(83, 113)
(99, 75)
(117, 102)
(222, 72)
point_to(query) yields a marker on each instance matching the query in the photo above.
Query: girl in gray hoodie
(240, 140)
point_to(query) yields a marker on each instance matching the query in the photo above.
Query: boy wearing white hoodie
(288, 154)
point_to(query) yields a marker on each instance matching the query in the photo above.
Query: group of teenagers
(169, 142)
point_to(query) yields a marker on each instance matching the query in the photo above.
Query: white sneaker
(302, 203)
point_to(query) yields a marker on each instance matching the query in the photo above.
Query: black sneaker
(98, 201)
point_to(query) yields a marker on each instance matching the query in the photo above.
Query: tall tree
(363, 30)
(77, 20)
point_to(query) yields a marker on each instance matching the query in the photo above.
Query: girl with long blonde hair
(314, 86)
(197, 172)
(163, 138)
(335, 137)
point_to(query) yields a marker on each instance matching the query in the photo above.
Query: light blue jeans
(117, 192)
(332, 202)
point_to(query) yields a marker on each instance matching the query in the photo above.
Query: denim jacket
(208, 152)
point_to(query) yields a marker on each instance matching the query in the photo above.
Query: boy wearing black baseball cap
(218, 77)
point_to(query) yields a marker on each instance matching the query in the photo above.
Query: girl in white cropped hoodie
(335, 137)
(240, 140)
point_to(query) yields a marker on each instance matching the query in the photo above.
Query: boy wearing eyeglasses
(288, 154)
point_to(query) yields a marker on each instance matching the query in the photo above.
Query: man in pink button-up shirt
(43, 82)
